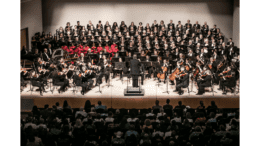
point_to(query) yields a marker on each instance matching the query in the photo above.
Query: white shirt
(46, 55)
(50, 51)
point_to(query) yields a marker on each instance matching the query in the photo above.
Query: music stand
(110, 68)
(142, 58)
(119, 66)
(154, 57)
(122, 54)
(167, 80)
(114, 60)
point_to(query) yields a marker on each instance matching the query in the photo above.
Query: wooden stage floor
(114, 96)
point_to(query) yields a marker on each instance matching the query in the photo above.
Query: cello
(173, 75)
(162, 75)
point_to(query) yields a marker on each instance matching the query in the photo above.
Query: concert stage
(114, 96)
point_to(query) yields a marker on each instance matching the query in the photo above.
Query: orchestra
(180, 53)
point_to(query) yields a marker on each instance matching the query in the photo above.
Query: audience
(100, 106)
(63, 126)
(156, 106)
(167, 105)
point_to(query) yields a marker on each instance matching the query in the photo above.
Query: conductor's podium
(134, 91)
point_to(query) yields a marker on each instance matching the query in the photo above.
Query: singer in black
(135, 70)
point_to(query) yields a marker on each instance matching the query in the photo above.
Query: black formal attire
(224, 82)
(229, 83)
(183, 82)
(135, 71)
(206, 82)
(142, 70)
(46, 57)
(78, 82)
(35, 82)
(61, 81)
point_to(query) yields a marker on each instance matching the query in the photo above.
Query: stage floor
(114, 96)
(152, 90)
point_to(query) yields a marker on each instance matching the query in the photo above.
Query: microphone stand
(192, 86)
(109, 78)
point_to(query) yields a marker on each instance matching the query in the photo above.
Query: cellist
(164, 74)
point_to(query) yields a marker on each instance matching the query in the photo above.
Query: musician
(24, 52)
(223, 50)
(118, 70)
(50, 50)
(196, 26)
(204, 82)
(24, 74)
(191, 55)
(171, 24)
(164, 66)
(77, 80)
(229, 43)
(225, 77)
(105, 69)
(182, 81)
(46, 56)
(134, 70)
(231, 52)
(61, 80)
(40, 63)
(212, 65)
(36, 82)
(88, 74)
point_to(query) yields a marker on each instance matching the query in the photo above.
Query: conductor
(134, 70)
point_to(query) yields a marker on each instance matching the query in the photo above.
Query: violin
(210, 66)
(64, 63)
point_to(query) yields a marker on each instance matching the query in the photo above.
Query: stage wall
(57, 12)
(31, 17)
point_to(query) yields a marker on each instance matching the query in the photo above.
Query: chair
(143, 111)
(75, 88)
(125, 75)
(234, 84)
(188, 89)
(55, 84)
(156, 111)
(133, 110)
(100, 110)
(211, 85)
(31, 86)
(123, 111)
(168, 112)
(112, 110)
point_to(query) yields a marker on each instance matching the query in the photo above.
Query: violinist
(24, 75)
(36, 82)
(40, 63)
(86, 76)
(191, 55)
(224, 77)
(204, 82)
(212, 65)
(77, 80)
(228, 81)
(61, 80)
(182, 80)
